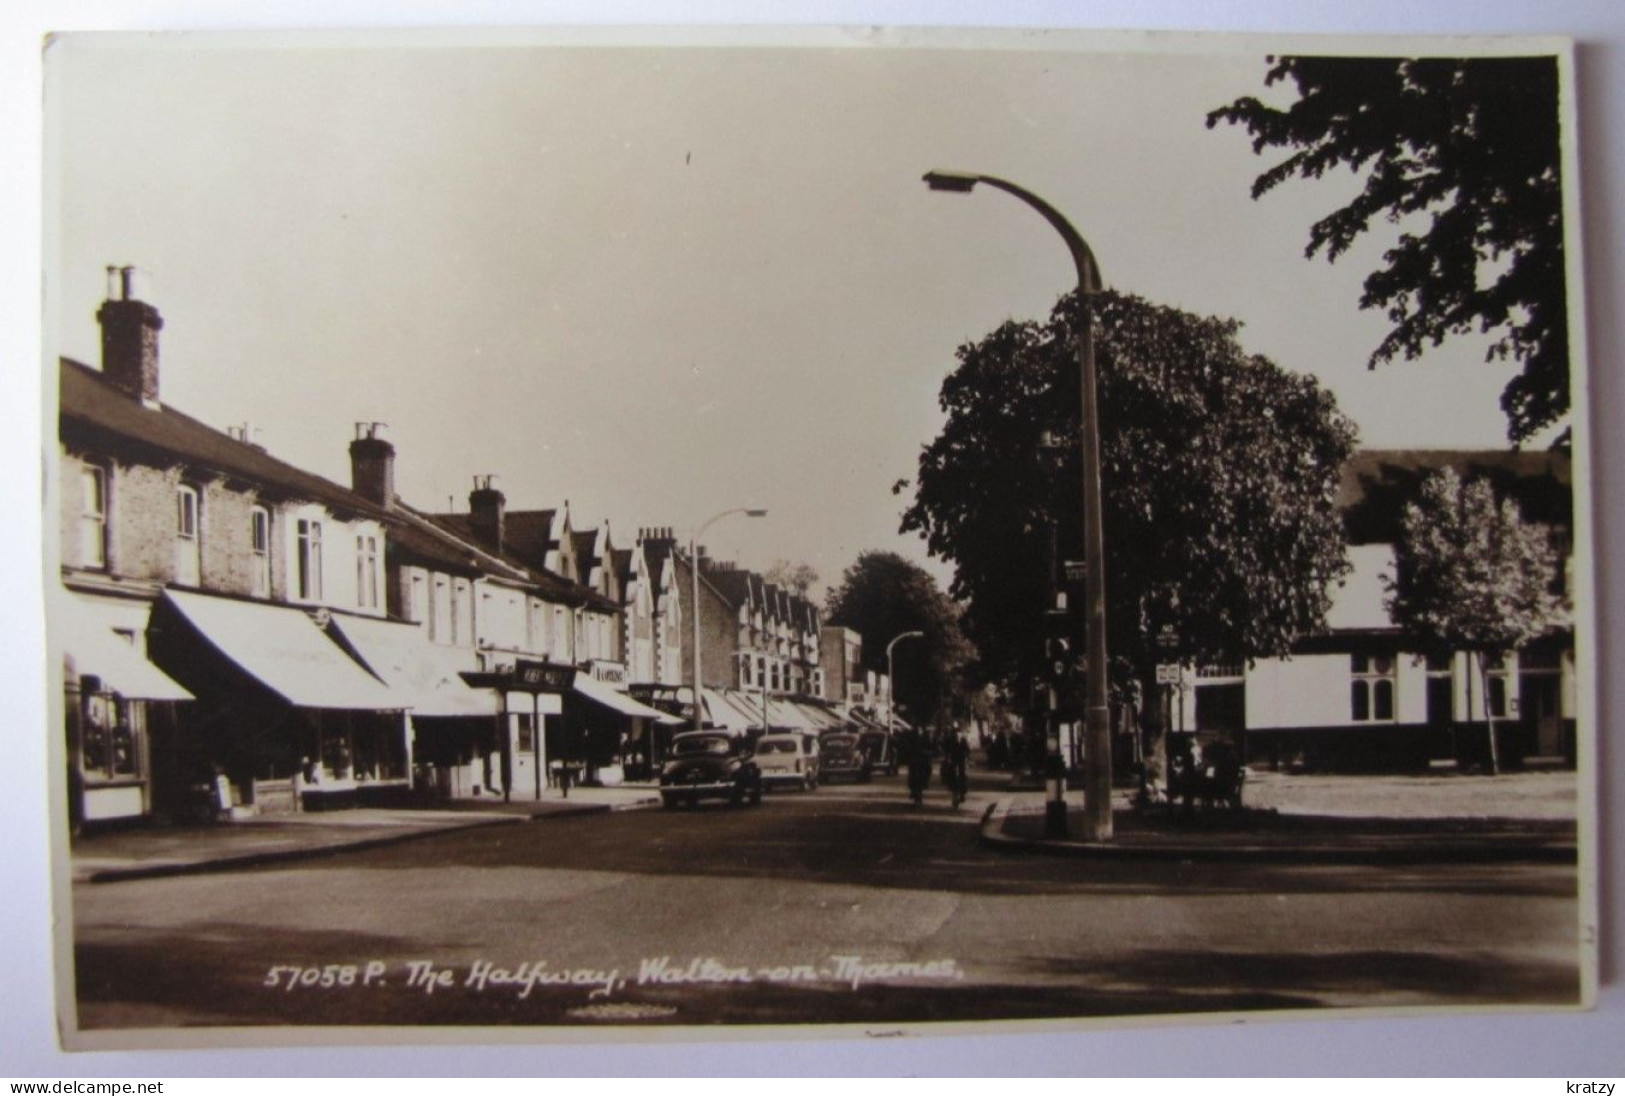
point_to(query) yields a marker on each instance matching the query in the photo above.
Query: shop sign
(543, 675)
(612, 673)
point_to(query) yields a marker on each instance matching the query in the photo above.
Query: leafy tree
(881, 596)
(1219, 469)
(798, 578)
(1471, 145)
(1470, 574)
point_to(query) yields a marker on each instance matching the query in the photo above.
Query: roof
(1377, 484)
(91, 406)
(733, 585)
(623, 565)
(457, 530)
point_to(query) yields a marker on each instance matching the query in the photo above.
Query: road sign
(1076, 571)
(1169, 673)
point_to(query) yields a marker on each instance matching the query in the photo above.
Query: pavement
(150, 851)
(1362, 819)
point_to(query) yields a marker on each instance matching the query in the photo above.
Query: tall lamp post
(694, 568)
(1097, 782)
(891, 672)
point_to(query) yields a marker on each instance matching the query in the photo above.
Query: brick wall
(719, 632)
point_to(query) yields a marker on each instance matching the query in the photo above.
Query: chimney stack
(372, 464)
(129, 338)
(486, 506)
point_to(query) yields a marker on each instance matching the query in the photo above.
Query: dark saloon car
(844, 756)
(709, 764)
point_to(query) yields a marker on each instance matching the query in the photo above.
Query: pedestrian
(955, 756)
(918, 759)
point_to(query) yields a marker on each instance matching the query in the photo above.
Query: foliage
(1470, 573)
(881, 596)
(798, 578)
(1471, 145)
(1220, 473)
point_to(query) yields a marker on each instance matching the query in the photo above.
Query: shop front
(283, 712)
(524, 756)
(114, 701)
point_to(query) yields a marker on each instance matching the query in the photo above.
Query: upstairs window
(1371, 693)
(366, 572)
(188, 554)
(259, 541)
(93, 517)
(310, 560)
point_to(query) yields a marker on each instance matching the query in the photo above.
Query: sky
(659, 283)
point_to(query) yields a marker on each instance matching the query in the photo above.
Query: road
(847, 904)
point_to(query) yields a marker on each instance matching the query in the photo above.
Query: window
(524, 732)
(93, 517)
(1499, 674)
(310, 560)
(419, 609)
(366, 572)
(107, 749)
(1371, 694)
(462, 612)
(259, 538)
(440, 610)
(188, 558)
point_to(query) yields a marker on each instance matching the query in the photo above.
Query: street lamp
(891, 672)
(1097, 782)
(694, 567)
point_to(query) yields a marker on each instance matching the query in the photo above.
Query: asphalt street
(844, 905)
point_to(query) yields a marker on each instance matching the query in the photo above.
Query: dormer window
(188, 548)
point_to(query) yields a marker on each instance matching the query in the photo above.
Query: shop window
(107, 742)
(309, 560)
(93, 516)
(524, 732)
(366, 572)
(188, 556)
(259, 551)
(1371, 693)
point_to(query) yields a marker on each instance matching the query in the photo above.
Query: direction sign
(1076, 570)
(1169, 673)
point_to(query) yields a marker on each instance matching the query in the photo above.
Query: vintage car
(880, 749)
(709, 764)
(788, 760)
(843, 756)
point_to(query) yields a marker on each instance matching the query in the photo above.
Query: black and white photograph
(644, 534)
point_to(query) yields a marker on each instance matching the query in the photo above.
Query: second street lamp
(1097, 782)
(694, 569)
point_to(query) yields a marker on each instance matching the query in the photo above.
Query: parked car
(710, 765)
(788, 760)
(843, 756)
(881, 750)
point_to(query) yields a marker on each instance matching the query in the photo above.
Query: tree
(881, 596)
(1472, 146)
(1219, 479)
(798, 578)
(1470, 574)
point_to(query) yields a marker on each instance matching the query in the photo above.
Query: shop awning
(420, 673)
(788, 716)
(90, 640)
(600, 693)
(730, 711)
(287, 653)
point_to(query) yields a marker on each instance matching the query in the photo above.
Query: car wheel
(736, 796)
(756, 796)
